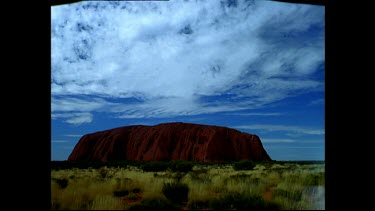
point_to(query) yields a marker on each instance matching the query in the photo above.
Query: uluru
(169, 141)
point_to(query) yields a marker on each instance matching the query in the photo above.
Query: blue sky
(256, 66)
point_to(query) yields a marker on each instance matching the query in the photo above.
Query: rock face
(169, 141)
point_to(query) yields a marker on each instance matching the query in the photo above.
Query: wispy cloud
(59, 141)
(258, 114)
(277, 140)
(317, 102)
(80, 119)
(73, 135)
(74, 118)
(284, 128)
(181, 57)
(287, 140)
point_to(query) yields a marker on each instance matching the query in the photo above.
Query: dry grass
(289, 186)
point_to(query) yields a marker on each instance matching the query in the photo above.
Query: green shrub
(120, 193)
(154, 204)
(200, 177)
(244, 165)
(201, 170)
(136, 190)
(155, 166)
(63, 183)
(181, 166)
(176, 192)
(103, 172)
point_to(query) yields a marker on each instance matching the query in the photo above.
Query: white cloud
(172, 55)
(74, 118)
(285, 128)
(68, 104)
(81, 118)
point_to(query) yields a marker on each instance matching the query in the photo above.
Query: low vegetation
(244, 165)
(182, 185)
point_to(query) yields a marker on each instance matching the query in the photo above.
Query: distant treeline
(55, 165)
